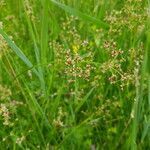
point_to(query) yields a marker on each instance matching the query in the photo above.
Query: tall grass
(74, 74)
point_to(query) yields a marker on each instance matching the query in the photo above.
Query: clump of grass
(76, 78)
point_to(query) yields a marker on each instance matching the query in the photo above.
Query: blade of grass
(30, 102)
(32, 28)
(138, 114)
(146, 129)
(74, 129)
(146, 71)
(81, 15)
(20, 54)
(33, 108)
(84, 99)
(44, 32)
(37, 107)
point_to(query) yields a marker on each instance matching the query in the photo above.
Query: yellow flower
(75, 48)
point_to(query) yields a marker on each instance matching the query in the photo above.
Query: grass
(74, 74)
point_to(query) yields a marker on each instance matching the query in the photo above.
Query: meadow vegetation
(74, 74)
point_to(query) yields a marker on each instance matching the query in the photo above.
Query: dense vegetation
(74, 74)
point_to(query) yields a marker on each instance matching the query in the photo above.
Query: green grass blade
(44, 32)
(84, 99)
(81, 15)
(32, 29)
(18, 52)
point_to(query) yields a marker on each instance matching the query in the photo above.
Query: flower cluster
(58, 122)
(8, 107)
(5, 93)
(29, 10)
(74, 61)
(19, 140)
(128, 17)
(78, 66)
